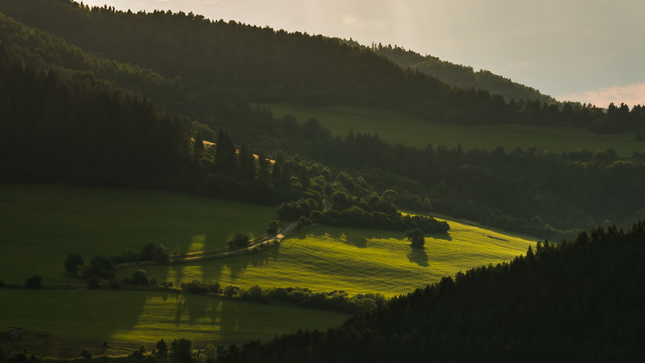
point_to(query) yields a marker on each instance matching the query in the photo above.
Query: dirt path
(253, 247)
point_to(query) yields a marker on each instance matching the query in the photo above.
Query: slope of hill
(578, 301)
(233, 63)
(461, 76)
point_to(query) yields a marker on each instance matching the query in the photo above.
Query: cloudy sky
(589, 51)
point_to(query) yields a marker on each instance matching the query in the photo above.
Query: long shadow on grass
(443, 236)
(419, 256)
(352, 236)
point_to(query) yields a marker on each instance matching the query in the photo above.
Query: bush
(140, 277)
(162, 347)
(86, 353)
(241, 240)
(34, 282)
(273, 227)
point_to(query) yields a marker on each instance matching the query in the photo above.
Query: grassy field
(396, 127)
(42, 224)
(141, 316)
(355, 260)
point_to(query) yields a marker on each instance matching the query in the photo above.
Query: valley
(430, 212)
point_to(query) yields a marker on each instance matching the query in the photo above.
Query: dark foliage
(238, 63)
(240, 240)
(182, 350)
(34, 282)
(73, 262)
(53, 128)
(416, 237)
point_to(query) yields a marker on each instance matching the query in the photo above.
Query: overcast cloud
(578, 50)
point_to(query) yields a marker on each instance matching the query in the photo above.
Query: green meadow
(354, 260)
(42, 224)
(396, 127)
(142, 316)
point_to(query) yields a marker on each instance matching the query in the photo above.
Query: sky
(589, 51)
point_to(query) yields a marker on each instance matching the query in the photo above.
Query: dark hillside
(262, 63)
(578, 301)
(233, 63)
(58, 128)
(461, 76)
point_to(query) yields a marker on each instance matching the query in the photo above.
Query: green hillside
(110, 222)
(42, 224)
(146, 317)
(580, 300)
(396, 127)
(353, 260)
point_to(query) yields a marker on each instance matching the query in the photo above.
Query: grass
(357, 261)
(42, 224)
(142, 316)
(396, 127)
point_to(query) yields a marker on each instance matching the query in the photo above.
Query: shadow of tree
(419, 256)
(352, 236)
(443, 236)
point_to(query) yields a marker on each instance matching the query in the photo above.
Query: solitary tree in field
(73, 262)
(416, 237)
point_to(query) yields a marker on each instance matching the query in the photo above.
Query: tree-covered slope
(578, 301)
(461, 76)
(233, 63)
(56, 126)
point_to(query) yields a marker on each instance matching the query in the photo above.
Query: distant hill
(577, 301)
(461, 76)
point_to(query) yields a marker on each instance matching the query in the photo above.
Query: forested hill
(211, 56)
(461, 76)
(58, 127)
(578, 301)
(233, 63)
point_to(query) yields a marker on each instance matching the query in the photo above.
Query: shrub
(241, 240)
(34, 282)
(86, 353)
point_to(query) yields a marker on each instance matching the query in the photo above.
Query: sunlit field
(42, 224)
(149, 316)
(396, 127)
(354, 260)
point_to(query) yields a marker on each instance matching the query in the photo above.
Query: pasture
(354, 260)
(395, 127)
(147, 317)
(42, 224)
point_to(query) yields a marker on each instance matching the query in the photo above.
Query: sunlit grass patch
(354, 260)
(149, 316)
